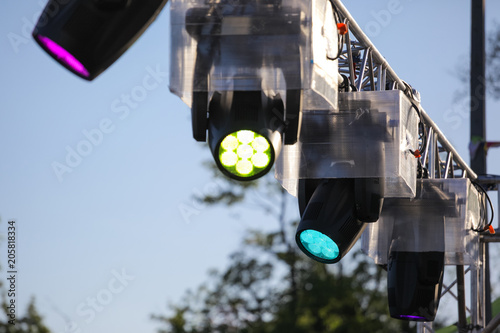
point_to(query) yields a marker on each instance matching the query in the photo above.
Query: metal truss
(363, 68)
(366, 69)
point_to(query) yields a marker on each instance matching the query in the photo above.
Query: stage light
(329, 226)
(414, 238)
(245, 46)
(334, 214)
(271, 50)
(319, 244)
(245, 132)
(414, 284)
(87, 36)
(245, 153)
(63, 56)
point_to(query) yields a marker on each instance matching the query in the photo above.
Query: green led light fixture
(245, 153)
(245, 132)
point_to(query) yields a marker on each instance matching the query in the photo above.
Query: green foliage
(491, 82)
(269, 286)
(493, 63)
(31, 322)
(249, 296)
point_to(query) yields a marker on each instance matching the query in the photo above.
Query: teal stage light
(319, 244)
(329, 226)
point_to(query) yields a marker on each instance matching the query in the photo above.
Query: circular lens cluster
(245, 153)
(319, 244)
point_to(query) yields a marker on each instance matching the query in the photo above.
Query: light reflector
(245, 153)
(87, 36)
(62, 55)
(416, 318)
(414, 283)
(329, 227)
(319, 245)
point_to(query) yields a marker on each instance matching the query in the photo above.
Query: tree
(493, 63)
(31, 322)
(269, 286)
(491, 82)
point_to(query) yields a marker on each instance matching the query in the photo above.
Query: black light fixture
(245, 132)
(246, 80)
(416, 254)
(334, 214)
(414, 284)
(87, 36)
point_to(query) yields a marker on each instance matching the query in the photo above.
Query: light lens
(260, 160)
(244, 167)
(319, 245)
(245, 153)
(228, 159)
(245, 137)
(64, 56)
(409, 317)
(260, 144)
(230, 142)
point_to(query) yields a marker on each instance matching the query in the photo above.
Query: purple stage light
(63, 55)
(411, 317)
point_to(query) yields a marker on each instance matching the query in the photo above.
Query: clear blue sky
(119, 209)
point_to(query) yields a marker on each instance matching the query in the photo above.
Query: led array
(245, 153)
(319, 244)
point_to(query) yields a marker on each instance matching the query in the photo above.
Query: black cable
(424, 136)
(422, 173)
(421, 129)
(344, 85)
(484, 208)
(336, 17)
(408, 90)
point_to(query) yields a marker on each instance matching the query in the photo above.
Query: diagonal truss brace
(366, 69)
